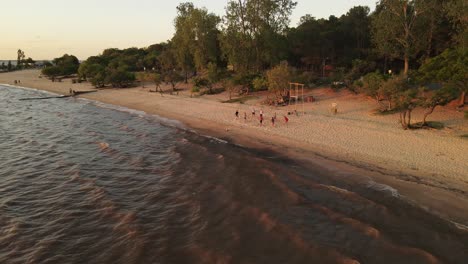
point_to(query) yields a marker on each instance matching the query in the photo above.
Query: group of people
(17, 81)
(261, 117)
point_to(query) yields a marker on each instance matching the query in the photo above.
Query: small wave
(215, 139)
(30, 89)
(383, 188)
(162, 120)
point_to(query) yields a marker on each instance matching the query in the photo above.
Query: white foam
(382, 188)
(29, 89)
(139, 113)
(218, 140)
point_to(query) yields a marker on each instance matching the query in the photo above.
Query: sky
(46, 29)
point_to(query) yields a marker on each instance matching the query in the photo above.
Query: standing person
(245, 117)
(237, 114)
(334, 108)
(261, 113)
(261, 120)
(253, 112)
(273, 121)
(286, 120)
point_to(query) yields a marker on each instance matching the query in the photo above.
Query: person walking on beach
(237, 114)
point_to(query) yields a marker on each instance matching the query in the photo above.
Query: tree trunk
(463, 98)
(405, 72)
(409, 118)
(385, 65)
(403, 120)
(428, 112)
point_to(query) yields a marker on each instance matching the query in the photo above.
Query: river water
(84, 182)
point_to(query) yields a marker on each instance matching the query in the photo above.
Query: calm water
(84, 183)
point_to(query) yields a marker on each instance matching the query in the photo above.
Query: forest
(404, 54)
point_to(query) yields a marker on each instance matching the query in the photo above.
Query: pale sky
(46, 29)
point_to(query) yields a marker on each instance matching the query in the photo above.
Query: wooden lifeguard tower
(296, 91)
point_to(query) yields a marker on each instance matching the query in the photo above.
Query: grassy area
(241, 100)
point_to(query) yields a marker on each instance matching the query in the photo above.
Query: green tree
(456, 10)
(252, 37)
(450, 70)
(157, 80)
(9, 66)
(260, 83)
(119, 77)
(398, 30)
(67, 65)
(20, 58)
(278, 79)
(372, 85)
(214, 75)
(406, 102)
(168, 62)
(431, 99)
(51, 72)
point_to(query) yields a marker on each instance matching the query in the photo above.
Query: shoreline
(444, 195)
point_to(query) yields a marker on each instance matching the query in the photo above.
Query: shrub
(260, 84)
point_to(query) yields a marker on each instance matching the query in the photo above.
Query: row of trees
(21, 62)
(253, 47)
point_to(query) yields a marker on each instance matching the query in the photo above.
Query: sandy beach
(355, 141)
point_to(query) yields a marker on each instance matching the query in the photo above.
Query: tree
(406, 102)
(157, 79)
(372, 85)
(278, 79)
(119, 77)
(397, 29)
(448, 69)
(65, 65)
(168, 67)
(195, 39)
(213, 76)
(9, 66)
(230, 86)
(431, 99)
(252, 37)
(456, 10)
(52, 72)
(20, 58)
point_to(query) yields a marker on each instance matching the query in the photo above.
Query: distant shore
(355, 140)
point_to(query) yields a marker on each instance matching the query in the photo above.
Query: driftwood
(74, 93)
(82, 92)
(42, 98)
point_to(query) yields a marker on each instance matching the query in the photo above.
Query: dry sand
(356, 136)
